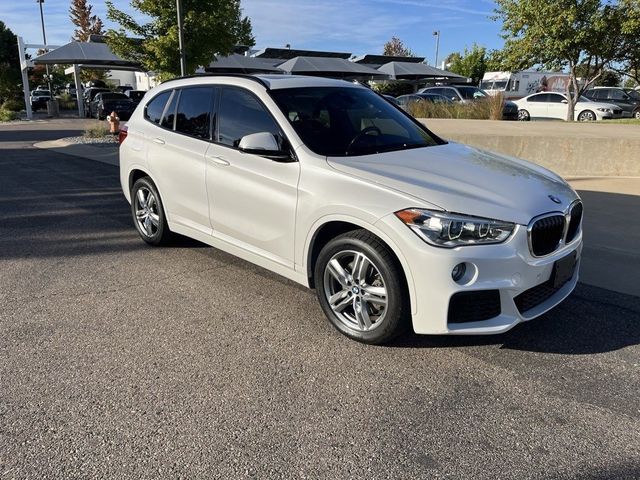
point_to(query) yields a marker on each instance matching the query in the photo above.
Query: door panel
(555, 107)
(252, 198)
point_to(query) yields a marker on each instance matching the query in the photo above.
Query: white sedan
(554, 105)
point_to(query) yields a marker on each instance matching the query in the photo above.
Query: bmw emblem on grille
(555, 199)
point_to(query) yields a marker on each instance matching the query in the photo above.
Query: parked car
(39, 99)
(326, 183)
(555, 105)
(123, 88)
(624, 98)
(106, 102)
(466, 94)
(405, 100)
(392, 99)
(88, 95)
(135, 95)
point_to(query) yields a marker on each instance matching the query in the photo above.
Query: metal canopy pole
(44, 38)
(76, 79)
(25, 77)
(183, 58)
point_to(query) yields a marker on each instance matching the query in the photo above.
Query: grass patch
(96, 131)
(8, 115)
(485, 109)
(624, 121)
(13, 105)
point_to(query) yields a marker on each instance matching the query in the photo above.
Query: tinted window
(346, 121)
(153, 110)
(169, 116)
(471, 93)
(113, 96)
(555, 98)
(242, 114)
(538, 98)
(194, 112)
(617, 95)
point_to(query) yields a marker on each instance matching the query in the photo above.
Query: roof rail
(212, 74)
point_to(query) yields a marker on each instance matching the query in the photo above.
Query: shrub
(96, 131)
(395, 89)
(487, 109)
(8, 115)
(66, 102)
(13, 105)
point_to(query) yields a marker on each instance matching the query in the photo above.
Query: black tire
(523, 115)
(587, 116)
(636, 114)
(395, 319)
(159, 234)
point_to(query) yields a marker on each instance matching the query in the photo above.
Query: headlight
(606, 110)
(452, 230)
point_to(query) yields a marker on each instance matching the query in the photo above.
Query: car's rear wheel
(587, 116)
(361, 287)
(148, 213)
(636, 114)
(523, 116)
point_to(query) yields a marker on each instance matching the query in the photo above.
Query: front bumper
(508, 268)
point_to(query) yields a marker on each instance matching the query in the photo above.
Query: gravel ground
(118, 360)
(82, 140)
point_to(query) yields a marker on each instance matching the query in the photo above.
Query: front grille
(574, 223)
(474, 306)
(545, 234)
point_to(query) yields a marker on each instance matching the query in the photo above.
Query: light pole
(183, 58)
(436, 34)
(44, 39)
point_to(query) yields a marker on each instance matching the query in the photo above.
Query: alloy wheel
(146, 208)
(587, 116)
(355, 290)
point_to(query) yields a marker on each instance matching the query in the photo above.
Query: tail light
(122, 134)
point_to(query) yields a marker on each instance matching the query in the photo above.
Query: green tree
(211, 27)
(10, 79)
(629, 58)
(81, 17)
(471, 63)
(561, 34)
(396, 48)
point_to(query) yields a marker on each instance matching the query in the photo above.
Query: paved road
(118, 360)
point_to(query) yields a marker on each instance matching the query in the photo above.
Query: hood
(462, 179)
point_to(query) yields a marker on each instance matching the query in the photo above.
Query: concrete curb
(99, 152)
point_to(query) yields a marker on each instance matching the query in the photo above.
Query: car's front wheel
(148, 213)
(587, 116)
(361, 288)
(636, 114)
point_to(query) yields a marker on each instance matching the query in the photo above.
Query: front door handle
(218, 160)
(159, 141)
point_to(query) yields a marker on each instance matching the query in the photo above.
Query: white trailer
(515, 85)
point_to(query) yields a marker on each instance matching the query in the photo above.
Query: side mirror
(264, 144)
(565, 101)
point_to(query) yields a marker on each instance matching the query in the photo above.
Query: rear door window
(169, 117)
(538, 98)
(153, 110)
(193, 116)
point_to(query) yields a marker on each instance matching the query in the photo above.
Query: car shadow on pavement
(592, 320)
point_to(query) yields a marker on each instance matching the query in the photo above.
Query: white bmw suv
(330, 185)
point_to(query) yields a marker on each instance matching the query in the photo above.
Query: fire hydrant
(114, 123)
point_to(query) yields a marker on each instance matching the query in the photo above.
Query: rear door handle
(218, 160)
(159, 141)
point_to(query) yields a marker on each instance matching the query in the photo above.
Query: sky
(354, 26)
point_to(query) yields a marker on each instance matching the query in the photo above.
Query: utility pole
(44, 39)
(183, 58)
(436, 34)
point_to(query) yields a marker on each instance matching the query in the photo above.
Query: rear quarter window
(153, 110)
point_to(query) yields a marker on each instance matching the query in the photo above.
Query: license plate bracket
(563, 270)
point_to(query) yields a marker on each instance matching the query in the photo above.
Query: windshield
(633, 94)
(346, 121)
(471, 93)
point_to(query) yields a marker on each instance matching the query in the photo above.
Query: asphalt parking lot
(118, 360)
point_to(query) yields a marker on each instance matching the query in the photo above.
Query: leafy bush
(486, 109)
(394, 89)
(66, 101)
(8, 115)
(13, 104)
(96, 131)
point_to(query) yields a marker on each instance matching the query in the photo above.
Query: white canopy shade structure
(330, 67)
(235, 63)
